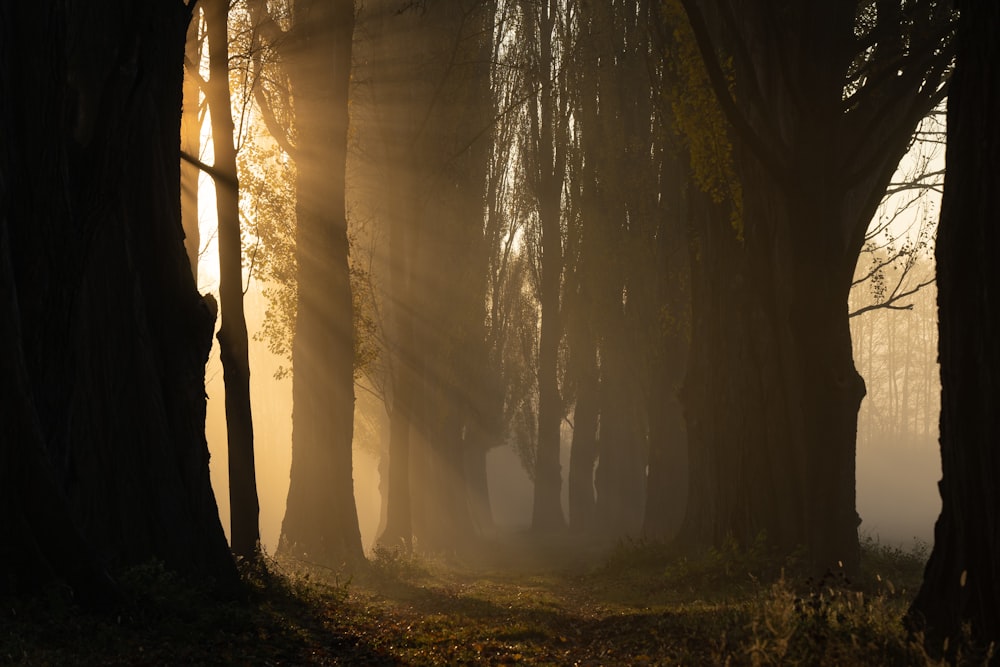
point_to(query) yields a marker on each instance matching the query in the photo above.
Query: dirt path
(537, 610)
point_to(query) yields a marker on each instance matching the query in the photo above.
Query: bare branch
(892, 302)
(218, 176)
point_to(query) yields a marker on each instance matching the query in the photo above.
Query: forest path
(524, 600)
(517, 599)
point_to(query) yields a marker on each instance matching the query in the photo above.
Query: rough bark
(234, 349)
(961, 588)
(114, 336)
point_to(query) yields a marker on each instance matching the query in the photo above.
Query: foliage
(697, 117)
(395, 563)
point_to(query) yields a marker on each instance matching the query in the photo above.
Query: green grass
(640, 604)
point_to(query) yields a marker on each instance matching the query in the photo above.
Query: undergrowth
(644, 603)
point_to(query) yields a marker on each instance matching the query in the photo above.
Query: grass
(640, 604)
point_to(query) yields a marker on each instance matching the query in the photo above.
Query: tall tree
(823, 102)
(314, 46)
(234, 349)
(108, 335)
(429, 82)
(961, 589)
(544, 145)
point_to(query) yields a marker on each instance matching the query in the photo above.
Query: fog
(896, 482)
(896, 470)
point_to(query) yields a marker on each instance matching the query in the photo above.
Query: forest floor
(516, 601)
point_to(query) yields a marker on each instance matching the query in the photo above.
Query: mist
(505, 331)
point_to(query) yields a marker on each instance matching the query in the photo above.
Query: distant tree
(428, 79)
(823, 99)
(104, 459)
(961, 589)
(544, 31)
(624, 287)
(313, 40)
(895, 350)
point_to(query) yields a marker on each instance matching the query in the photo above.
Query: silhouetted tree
(234, 349)
(313, 41)
(105, 337)
(961, 589)
(544, 32)
(824, 101)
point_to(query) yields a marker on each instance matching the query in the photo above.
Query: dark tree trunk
(114, 336)
(547, 511)
(620, 479)
(398, 523)
(321, 521)
(390, 108)
(547, 181)
(234, 349)
(962, 582)
(42, 543)
(771, 395)
(479, 486)
(667, 478)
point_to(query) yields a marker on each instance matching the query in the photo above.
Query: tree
(822, 99)
(234, 349)
(429, 80)
(105, 462)
(544, 29)
(961, 588)
(315, 48)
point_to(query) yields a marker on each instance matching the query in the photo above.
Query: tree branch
(891, 302)
(761, 149)
(217, 175)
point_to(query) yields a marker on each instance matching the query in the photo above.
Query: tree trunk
(398, 524)
(771, 395)
(961, 588)
(479, 486)
(113, 333)
(234, 349)
(620, 479)
(547, 514)
(321, 522)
